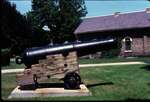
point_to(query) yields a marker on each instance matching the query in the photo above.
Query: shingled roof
(114, 22)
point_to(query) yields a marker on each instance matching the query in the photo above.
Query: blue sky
(97, 7)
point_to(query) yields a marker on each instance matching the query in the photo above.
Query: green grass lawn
(114, 59)
(13, 65)
(105, 83)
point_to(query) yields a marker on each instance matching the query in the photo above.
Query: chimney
(147, 10)
(116, 14)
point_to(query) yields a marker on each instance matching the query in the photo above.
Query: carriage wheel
(72, 81)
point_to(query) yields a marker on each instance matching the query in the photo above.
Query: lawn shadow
(146, 67)
(98, 84)
(42, 85)
(139, 100)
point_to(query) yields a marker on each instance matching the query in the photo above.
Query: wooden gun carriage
(60, 61)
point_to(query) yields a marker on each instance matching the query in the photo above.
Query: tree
(61, 16)
(15, 30)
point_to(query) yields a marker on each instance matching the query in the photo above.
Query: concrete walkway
(82, 66)
(11, 70)
(111, 64)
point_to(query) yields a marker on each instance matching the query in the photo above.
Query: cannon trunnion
(60, 61)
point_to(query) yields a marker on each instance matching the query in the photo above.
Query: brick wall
(140, 46)
(137, 46)
(147, 45)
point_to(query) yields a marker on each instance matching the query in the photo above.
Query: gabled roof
(114, 22)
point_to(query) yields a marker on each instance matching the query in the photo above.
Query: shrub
(5, 57)
(110, 53)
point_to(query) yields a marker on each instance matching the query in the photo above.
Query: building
(133, 30)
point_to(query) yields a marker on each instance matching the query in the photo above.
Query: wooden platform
(54, 66)
(49, 92)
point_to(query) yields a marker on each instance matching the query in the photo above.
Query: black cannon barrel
(32, 55)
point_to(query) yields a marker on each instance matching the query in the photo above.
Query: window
(127, 43)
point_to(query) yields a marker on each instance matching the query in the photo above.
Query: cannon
(58, 61)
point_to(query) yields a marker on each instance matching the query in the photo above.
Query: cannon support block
(54, 66)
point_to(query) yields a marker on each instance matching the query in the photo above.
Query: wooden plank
(54, 66)
(24, 79)
(49, 92)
